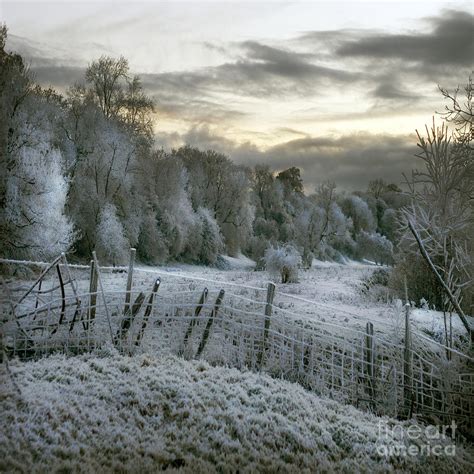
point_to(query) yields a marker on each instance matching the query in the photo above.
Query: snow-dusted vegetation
(111, 413)
(231, 319)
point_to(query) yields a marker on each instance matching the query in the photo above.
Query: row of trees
(82, 172)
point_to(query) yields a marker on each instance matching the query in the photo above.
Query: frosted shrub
(152, 247)
(376, 247)
(111, 242)
(284, 260)
(212, 243)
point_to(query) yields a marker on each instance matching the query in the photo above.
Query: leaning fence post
(149, 307)
(213, 315)
(268, 313)
(74, 290)
(197, 311)
(407, 363)
(63, 300)
(92, 293)
(129, 280)
(129, 317)
(370, 361)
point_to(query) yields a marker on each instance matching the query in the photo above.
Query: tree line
(83, 173)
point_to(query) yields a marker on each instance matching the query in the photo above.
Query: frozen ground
(328, 291)
(109, 413)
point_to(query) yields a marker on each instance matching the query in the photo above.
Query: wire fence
(73, 309)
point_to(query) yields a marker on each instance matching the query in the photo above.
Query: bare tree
(439, 219)
(106, 76)
(460, 112)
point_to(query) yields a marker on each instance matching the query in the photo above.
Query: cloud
(449, 43)
(390, 91)
(270, 70)
(258, 70)
(60, 77)
(351, 160)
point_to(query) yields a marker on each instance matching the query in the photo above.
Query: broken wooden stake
(129, 317)
(63, 301)
(197, 311)
(210, 321)
(74, 290)
(147, 314)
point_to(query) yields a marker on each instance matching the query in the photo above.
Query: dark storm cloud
(269, 70)
(389, 90)
(351, 160)
(282, 63)
(449, 43)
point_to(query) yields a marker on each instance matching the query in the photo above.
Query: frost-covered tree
(15, 88)
(222, 187)
(112, 245)
(389, 224)
(283, 260)
(35, 200)
(291, 180)
(211, 239)
(152, 246)
(107, 77)
(104, 175)
(375, 247)
(34, 187)
(358, 210)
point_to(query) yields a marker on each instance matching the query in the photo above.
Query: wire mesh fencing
(73, 309)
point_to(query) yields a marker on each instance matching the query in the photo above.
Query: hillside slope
(111, 413)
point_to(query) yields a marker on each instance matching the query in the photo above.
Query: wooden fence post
(210, 321)
(102, 291)
(63, 300)
(78, 310)
(268, 313)
(92, 294)
(129, 318)
(129, 280)
(149, 307)
(197, 311)
(407, 364)
(370, 362)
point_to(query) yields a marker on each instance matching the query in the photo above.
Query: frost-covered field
(109, 413)
(328, 291)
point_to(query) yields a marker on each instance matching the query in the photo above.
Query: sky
(335, 88)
